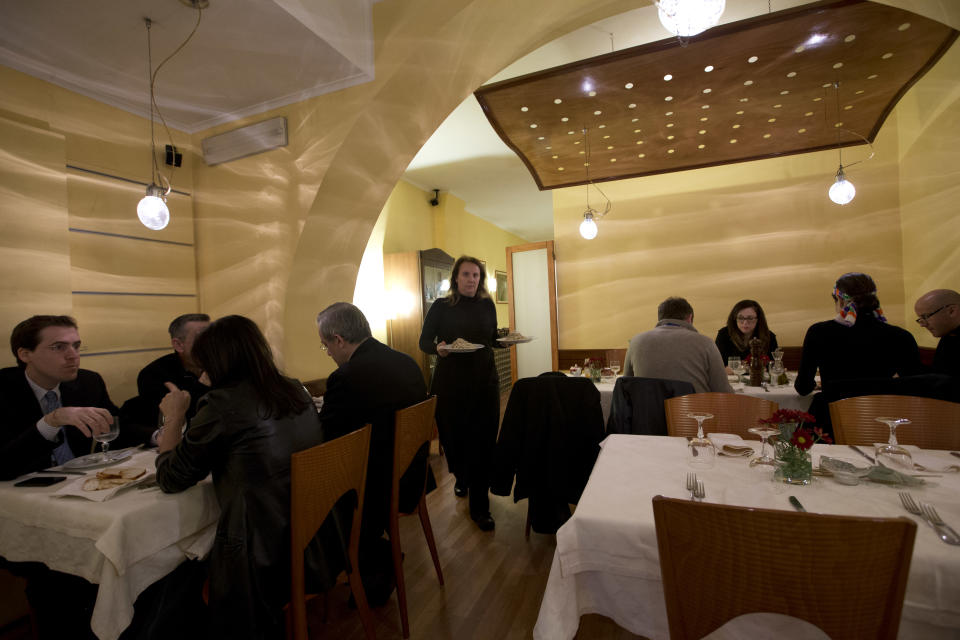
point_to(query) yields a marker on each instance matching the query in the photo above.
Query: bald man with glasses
(939, 312)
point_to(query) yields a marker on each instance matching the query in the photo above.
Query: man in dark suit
(177, 367)
(372, 381)
(52, 405)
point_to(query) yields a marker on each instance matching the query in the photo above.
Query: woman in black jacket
(465, 382)
(858, 342)
(745, 322)
(244, 431)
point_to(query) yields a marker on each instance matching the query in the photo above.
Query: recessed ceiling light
(524, 109)
(668, 77)
(708, 68)
(629, 85)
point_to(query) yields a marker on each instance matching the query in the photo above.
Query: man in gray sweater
(673, 350)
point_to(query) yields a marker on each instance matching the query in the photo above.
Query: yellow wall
(929, 118)
(763, 230)
(71, 242)
(414, 225)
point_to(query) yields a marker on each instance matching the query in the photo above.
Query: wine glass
(764, 432)
(615, 366)
(702, 453)
(108, 436)
(736, 364)
(892, 454)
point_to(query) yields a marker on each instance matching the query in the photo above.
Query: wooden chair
(732, 413)
(415, 427)
(935, 424)
(319, 476)
(845, 574)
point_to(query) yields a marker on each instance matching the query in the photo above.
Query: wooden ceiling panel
(753, 89)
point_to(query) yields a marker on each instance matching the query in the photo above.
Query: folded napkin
(886, 475)
(75, 488)
(730, 444)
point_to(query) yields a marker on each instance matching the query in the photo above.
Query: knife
(796, 504)
(854, 447)
(67, 471)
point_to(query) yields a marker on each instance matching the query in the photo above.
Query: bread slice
(110, 478)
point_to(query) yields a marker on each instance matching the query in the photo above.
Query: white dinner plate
(467, 349)
(95, 460)
(509, 340)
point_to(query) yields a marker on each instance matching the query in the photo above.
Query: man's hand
(88, 420)
(173, 408)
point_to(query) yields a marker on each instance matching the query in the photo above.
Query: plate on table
(514, 339)
(460, 346)
(95, 460)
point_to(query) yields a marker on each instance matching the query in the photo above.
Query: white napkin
(929, 460)
(75, 488)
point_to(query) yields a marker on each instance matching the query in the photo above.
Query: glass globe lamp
(588, 228)
(152, 209)
(685, 18)
(842, 191)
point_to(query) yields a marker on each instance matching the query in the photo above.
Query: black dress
(729, 350)
(467, 390)
(868, 349)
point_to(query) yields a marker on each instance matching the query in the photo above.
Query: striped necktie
(62, 453)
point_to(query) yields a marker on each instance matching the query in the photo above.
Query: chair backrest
(414, 427)
(319, 476)
(732, 413)
(934, 424)
(845, 574)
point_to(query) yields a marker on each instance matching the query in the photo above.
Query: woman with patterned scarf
(858, 343)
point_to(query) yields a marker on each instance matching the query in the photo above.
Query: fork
(944, 532)
(692, 485)
(699, 493)
(942, 527)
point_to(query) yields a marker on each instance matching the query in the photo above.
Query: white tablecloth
(607, 561)
(785, 396)
(124, 544)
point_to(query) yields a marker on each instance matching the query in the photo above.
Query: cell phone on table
(40, 481)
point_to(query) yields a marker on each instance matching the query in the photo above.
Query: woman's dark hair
(233, 350)
(862, 291)
(454, 296)
(761, 331)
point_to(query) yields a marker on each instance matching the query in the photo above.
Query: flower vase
(595, 374)
(793, 464)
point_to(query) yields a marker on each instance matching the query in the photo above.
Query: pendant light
(685, 18)
(152, 209)
(842, 190)
(588, 228)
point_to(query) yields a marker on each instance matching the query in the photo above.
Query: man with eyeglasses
(939, 312)
(51, 406)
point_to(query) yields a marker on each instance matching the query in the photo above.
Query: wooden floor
(494, 581)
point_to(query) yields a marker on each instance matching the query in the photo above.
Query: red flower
(789, 415)
(802, 439)
(821, 436)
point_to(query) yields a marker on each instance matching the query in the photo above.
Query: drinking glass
(108, 436)
(615, 366)
(764, 433)
(736, 364)
(892, 454)
(702, 453)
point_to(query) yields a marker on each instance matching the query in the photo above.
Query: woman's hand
(173, 408)
(443, 353)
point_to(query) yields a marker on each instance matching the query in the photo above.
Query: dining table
(607, 562)
(784, 395)
(123, 543)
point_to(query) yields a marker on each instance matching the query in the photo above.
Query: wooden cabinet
(413, 280)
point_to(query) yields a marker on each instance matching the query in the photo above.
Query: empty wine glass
(764, 432)
(615, 366)
(702, 453)
(736, 365)
(892, 454)
(108, 436)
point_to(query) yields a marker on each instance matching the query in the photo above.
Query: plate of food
(96, 460)
(459, 346)
(514, 337)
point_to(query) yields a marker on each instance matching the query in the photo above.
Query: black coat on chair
(549, 440)
(637, 404)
